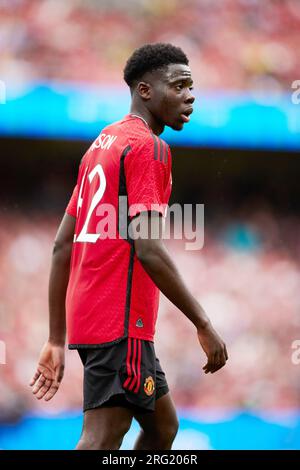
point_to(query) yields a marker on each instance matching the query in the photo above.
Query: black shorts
(127, 374)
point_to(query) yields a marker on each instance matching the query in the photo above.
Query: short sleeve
(71, 208)
(147, 173)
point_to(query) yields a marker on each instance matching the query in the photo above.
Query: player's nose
(190, 98)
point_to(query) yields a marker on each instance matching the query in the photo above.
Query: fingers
(49, 372)
(216, 361)
(39, 384)
(47, 389)
(52, 391)
(59, 373)
(34, 378)
(219, 362)
(209, 367)
(43, 389)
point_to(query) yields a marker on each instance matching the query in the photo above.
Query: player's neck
(156, 127)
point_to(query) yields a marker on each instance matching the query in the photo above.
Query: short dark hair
(151, 57)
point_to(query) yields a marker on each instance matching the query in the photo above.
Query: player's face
(173, 99)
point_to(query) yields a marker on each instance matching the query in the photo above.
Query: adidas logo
(139, 323)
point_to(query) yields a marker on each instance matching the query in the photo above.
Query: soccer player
(104, 289)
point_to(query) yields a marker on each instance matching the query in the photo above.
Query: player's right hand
(49, 372)
(214, 348)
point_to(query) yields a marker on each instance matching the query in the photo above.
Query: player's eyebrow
(181, 79)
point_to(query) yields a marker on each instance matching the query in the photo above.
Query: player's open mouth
(185, 118)
(186, 115)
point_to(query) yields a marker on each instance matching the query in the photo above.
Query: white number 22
(84, 236)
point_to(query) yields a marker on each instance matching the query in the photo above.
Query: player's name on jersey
(103, 141)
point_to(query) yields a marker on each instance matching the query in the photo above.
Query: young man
(110, 285)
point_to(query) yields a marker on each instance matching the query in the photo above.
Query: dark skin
(161, 98)
(50, 369)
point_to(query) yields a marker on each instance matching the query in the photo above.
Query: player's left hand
(49, 372)
(214, 348)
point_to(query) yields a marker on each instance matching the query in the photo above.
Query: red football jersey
(110, 296)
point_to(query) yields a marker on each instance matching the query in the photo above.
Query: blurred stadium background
(61, 67)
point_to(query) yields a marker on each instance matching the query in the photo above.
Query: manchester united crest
(149, 386)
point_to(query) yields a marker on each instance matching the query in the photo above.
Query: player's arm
(50, 368)
(59, 277)
(157, 262)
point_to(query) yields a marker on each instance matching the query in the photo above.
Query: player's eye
(179, 87)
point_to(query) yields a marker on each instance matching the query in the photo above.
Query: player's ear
(143, 89)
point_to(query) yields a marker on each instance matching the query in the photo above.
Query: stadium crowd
(248, 282)
(247, 276)
(232, 44)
